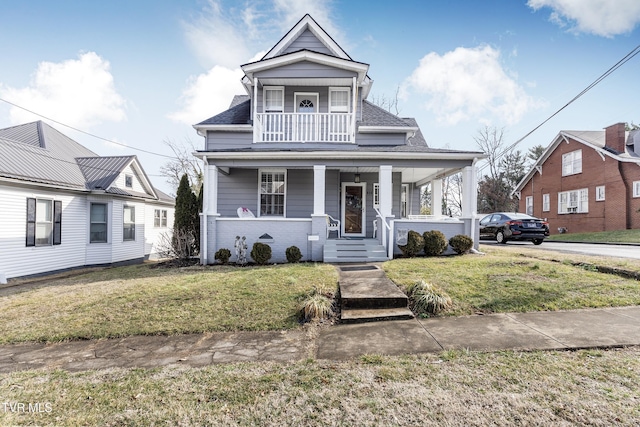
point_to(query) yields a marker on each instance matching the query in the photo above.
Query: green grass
(141, 300)
(621, 236)
(504, 281)
(455, 388)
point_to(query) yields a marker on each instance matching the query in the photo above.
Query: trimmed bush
(223, 255)
(261, 253)
(293, 254)
(460, 243)
(428, 299)
(415, 243)
(434, 242)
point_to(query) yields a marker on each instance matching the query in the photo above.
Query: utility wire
(604, 75)
(87, 133)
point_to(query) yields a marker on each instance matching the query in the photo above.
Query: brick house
(586, 181)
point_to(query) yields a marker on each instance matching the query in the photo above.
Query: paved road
(622, 251)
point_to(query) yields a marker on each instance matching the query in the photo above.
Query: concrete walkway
(592, 328)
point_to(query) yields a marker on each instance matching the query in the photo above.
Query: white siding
(100, 253)
(16, 259)
(123, 251)
(136, 184)
(152, 234)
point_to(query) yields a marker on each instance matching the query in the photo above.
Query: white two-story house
(304, 159)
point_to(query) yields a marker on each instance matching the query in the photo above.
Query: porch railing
(303, 127)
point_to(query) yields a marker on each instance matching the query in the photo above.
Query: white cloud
(605, 18)
(208, 94)
(78, 93)
(468, 84)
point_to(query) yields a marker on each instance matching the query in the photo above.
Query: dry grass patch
(140, 300)
(597, 388)
(507, 281)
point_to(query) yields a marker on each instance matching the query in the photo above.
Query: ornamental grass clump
(428, 299)
(460, 243)
(293, 254)
(316, 306)
(435, 242)
(415, 243)
(261, 253)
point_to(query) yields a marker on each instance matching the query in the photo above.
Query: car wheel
(537, 241)
(500, 237)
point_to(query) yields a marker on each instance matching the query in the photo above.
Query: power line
(604, 75)
(87, 133)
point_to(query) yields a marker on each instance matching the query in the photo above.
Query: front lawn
(584, 387)
(620, 236)
(144, 300)
(506, 281)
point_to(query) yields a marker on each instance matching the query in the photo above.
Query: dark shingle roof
(240, 114)
(372, 115)
(238, 99)
(418, 138)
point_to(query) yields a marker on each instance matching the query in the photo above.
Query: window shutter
(57, 222)
(31, 222)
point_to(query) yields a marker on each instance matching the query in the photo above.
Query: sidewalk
(561, 330)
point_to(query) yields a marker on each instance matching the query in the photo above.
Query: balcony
(304, 127)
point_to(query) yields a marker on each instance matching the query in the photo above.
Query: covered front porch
(312, 204)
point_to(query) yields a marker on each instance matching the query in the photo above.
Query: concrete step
(375, 315)
(343, 251)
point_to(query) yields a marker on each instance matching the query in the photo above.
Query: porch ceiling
(415, 175)
(306, 81)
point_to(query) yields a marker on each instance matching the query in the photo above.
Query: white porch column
(318, 189)
(469, 192)
(210, 197)
(436, 197)
(386, 189)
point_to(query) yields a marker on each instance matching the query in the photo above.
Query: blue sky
(141, 72)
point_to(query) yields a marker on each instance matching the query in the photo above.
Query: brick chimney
(614, 137)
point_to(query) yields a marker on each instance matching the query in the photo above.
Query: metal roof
(100, 172)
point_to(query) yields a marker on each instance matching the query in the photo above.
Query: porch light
(356, 177)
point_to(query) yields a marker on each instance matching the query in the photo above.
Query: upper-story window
(273, 99)
(128, 181)
(572, 163)
(339, 100)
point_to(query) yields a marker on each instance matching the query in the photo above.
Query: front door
(305, 123)
(353, 209)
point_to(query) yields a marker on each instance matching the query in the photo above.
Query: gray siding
(299, 193)
(381, 139)
(307, 40)
(289, 97)
(218, 140)
(332, 193)
(238, 189)
(305, 69)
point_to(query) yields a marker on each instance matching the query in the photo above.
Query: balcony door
(353, 209)
(306, 123)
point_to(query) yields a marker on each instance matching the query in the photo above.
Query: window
(128, 181)
(404, 200)
(576, 201)
(572, 163)
(272, 193)
(339, 100)
(376, 195)
(273, 99)
(546, 203)
(44, 222)
(636, 188)
(98, 223)
(160, 218)
(529, 205)
(129, 223)
(599, 193)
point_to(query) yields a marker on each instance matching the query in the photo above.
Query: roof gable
(307, 34)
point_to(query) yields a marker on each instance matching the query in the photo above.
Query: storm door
(353, 209)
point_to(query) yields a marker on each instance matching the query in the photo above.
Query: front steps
(367, 295)
(352, 250)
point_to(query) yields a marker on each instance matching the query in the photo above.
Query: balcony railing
(303, 127)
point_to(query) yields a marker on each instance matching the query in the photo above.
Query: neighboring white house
(63, 206)
(312, 159)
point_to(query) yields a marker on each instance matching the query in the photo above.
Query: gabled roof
(239, 114)
(37, 153)
(591, 139)
(307, 23)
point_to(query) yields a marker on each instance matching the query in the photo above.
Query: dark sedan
(505, 226)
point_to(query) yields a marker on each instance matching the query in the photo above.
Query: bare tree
(388, 103)
(184, 163)
(452, 195)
